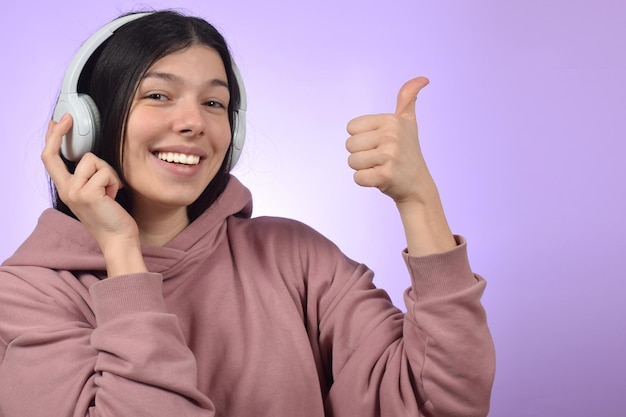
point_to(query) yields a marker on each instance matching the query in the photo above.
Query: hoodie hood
(63, 243)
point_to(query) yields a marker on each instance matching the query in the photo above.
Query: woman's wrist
(123, 257)
(426, 227)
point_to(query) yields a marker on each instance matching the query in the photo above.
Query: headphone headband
(70, 82)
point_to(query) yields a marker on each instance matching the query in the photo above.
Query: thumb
(407, 96)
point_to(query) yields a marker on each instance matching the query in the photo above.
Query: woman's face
(178, 131)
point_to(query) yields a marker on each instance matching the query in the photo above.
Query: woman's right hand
(90, 194)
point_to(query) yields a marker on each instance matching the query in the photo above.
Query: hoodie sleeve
(436, 360)
(128, 358)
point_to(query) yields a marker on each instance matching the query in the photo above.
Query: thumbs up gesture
(385, 151)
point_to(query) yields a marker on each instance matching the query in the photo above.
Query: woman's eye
(157, 96)
(213, 103)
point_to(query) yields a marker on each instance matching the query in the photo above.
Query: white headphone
(86, 117)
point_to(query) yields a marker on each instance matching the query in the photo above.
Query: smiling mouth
(178, 158)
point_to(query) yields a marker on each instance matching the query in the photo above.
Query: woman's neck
(158, 228)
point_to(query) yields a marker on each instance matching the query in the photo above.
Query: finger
(362, 141)
(95, 173)
(366, 160)
(371, 177)
(405, 106)
(50, 155)
(105, 179)
(366, 123)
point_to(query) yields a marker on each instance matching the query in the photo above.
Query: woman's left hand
(385, 150)
(385, 153)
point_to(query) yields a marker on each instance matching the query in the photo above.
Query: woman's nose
(189, 119)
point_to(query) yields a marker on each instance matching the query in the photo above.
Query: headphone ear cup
(239, 135)
(85, 124)
(94, 115)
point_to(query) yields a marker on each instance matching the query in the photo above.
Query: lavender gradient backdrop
(523, 126)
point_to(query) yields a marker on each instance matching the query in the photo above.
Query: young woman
(149, 290)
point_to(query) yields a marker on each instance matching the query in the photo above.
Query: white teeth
(178, 158)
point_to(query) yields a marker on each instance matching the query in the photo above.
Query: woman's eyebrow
(166, 76)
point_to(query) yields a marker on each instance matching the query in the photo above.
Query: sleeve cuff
(440, 274)
(127, 294)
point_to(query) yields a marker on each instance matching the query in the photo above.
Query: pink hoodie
(238, 317)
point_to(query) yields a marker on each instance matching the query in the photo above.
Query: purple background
(523, 127)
